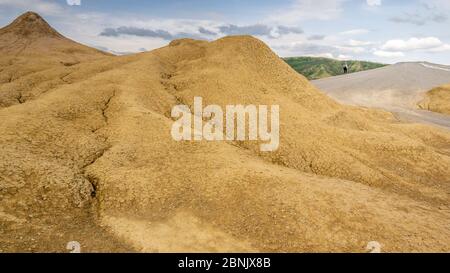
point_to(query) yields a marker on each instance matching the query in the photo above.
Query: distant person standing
(345, 67)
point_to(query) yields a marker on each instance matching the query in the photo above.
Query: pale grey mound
(396, 88)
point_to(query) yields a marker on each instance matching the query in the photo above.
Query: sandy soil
(90, 158)
(437, 100)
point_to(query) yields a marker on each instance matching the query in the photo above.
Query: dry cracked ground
(86, 154)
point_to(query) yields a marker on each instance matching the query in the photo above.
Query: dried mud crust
(437, 100)
(92, 160)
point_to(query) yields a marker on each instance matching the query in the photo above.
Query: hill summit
(31, 52)
(30, 24)
(30, 34)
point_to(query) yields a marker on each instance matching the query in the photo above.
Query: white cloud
(41, 6)
(357, 43)
(330, 56)
(442, 48)
(344, 57)
(74, 2)
(302, 10)
(388, 54)
(353, 32)
(354, 50)
(412, 44)
(86, 27)
(321, 55)
(373, 3)
(438, 4)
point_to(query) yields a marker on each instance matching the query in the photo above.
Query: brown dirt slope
(437, 100)
(35, 58)
(93, 161)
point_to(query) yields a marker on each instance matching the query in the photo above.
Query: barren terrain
(86, 154)
(437, 100)
(396, 88)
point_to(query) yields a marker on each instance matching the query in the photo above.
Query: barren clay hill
(33, 52)
(93, 160)
(397, 88)
(437, 100)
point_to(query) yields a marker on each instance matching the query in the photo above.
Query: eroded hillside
(36, 58)
(90, 158)
(437, 100)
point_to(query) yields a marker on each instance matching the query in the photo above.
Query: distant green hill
(317, 68)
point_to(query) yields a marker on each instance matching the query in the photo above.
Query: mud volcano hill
(437, 100)
(90, 158)
(32, 54)
(397, 88)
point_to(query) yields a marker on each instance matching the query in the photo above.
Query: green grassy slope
(316, 68)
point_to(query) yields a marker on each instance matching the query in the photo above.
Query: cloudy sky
(387, 31)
